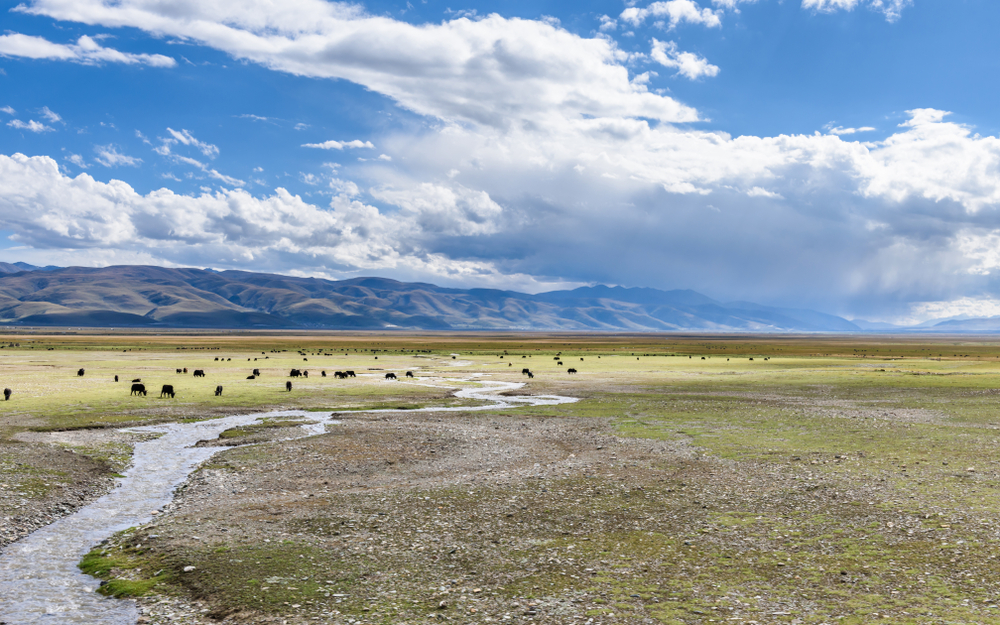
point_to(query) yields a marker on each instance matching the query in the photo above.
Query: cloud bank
(86, 51)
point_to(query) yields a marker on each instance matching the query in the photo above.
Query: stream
(39, 579)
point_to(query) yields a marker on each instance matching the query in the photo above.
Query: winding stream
(39, 579)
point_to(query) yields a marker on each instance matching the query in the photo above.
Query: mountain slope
(160, 297)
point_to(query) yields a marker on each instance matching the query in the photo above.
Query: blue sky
(835, 154)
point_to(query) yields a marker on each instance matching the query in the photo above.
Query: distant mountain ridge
(145, 296)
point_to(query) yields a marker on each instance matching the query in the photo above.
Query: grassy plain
(829, 479)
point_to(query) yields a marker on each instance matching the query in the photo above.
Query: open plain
(697, 479)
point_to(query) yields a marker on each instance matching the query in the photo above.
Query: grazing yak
(531, 375)
(340, 375)
(80, 373)
(185, 369)
(323, 373)
(138, 389)
(137, 380)
(168, 389)
(294, 373)
(571, 370)
(288, 385)
(179, 371)
(7, 393)
(409, 374)
(350, 374)
(305, 374)
(199, 373)
(390, 376)
(218, 391)
(251, 377)
(256, 372)
(116, 378)
(525, 371)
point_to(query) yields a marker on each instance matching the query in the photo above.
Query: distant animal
(323, 373)
(116, 378)
(7, 393)
(305, 374)
(251, 377)
(350, 374)
(216, 359)
(555, 358)
(339, 375)
(168, 389)
(138, 389)
(294, 373)
(571, 370)
(525, 371)
(390, 376)
(256, 371)
(288, 385)
(80, 373)
(531, 375)
(751, 359)
(581, 360)
(306, 359)
(409, 374)
(185, 369)
(199, 373)
(137, 380)
(703, 358)
(178, 371)
(560, 362)
(218, 391)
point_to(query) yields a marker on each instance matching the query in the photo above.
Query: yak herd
(167, 390)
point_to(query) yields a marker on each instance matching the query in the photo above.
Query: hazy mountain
(128, 296)
(16, 267)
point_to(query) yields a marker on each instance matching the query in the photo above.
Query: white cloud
(961, 307)
(676, 12)
(339, 145)
(892, 9)
(31, 125)
(384, 157)
(186, 138)
(110, 156)
(50, 115)
(839, 130)
(687, 64)
(731, 4)
(760, 192)
(9, 110)
(47, 209)
(77, 160)
(607, 23)
(491, 71)
(86, 50)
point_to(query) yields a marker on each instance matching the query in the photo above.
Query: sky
(840, 155)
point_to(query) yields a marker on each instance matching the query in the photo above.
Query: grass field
(828, 479)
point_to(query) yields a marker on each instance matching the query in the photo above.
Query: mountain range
(143, 296)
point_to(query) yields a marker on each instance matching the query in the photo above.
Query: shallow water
(39, 578)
